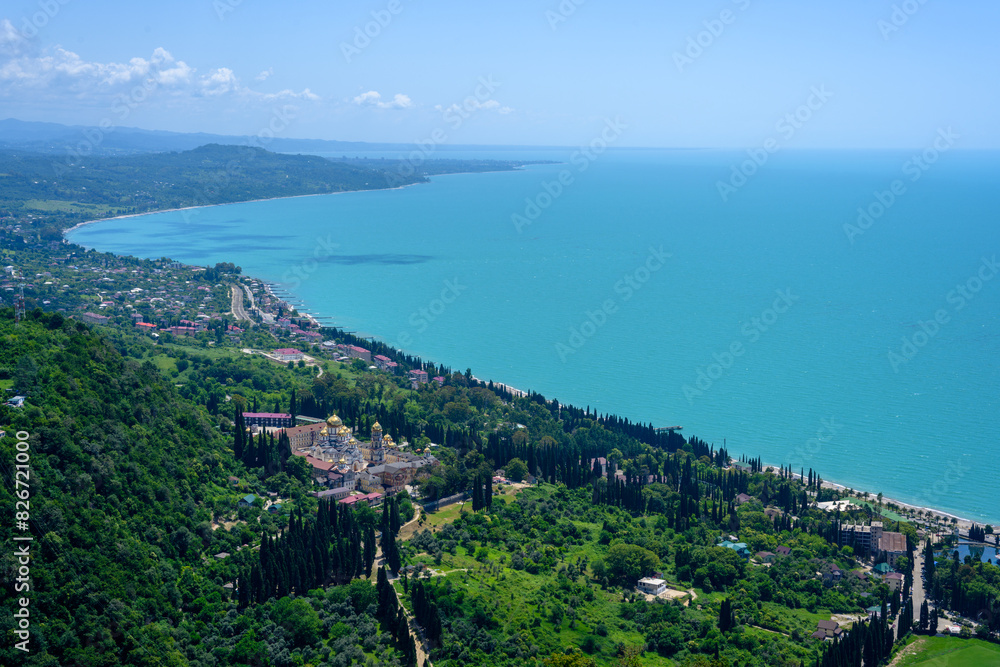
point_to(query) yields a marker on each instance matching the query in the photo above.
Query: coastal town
(180, 316)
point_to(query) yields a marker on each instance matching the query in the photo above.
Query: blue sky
(557, 70)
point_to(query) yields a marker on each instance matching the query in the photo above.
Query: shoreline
(962, 522)
(244, 201)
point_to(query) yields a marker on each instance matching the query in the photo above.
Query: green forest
(142, 553)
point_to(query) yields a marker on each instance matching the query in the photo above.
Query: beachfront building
(863, 539)
(355, 352)
(652, 586)
(417, 378)
(892, 547)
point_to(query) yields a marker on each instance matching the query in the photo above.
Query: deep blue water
(766, 326)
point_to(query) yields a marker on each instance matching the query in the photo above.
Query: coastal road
(236, 294)
(917, 591)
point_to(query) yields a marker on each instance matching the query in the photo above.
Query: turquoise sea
(636, 288)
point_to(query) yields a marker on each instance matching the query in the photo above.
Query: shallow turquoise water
(582, 305)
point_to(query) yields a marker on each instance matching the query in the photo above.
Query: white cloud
(287, 94)
(263, 76)
(374, 99)
(58, 71)
(12, 42)
(218, 82)
(471, 104)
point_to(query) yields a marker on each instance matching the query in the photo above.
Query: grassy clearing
(518, 600)
(952, 652)
(62, 206)
(887, 513)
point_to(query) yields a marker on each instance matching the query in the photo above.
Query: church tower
(377, 450)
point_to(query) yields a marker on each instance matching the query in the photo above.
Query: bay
(868, 354)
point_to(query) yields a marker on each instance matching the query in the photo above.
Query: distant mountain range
(55, 138)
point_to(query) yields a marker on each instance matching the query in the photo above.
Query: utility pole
(19, 302)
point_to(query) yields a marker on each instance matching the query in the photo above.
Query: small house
(830, 629)
(652, 586)
(894, 580)
(765, 556)
(247, 500)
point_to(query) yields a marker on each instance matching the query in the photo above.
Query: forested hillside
(62, 192)
(124, 477)
(142, 554)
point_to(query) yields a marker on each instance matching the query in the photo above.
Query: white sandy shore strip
(244, 201)
(962, 522)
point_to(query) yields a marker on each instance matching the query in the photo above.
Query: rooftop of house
(892, 542)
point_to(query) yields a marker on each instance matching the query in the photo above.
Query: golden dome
(323, 431)
(342, 460)
(386, 438)
(343, 430)
(376, 426)
(335, 421)
(352, 441)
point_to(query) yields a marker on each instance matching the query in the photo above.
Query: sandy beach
(962, 522)
(244, 201)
